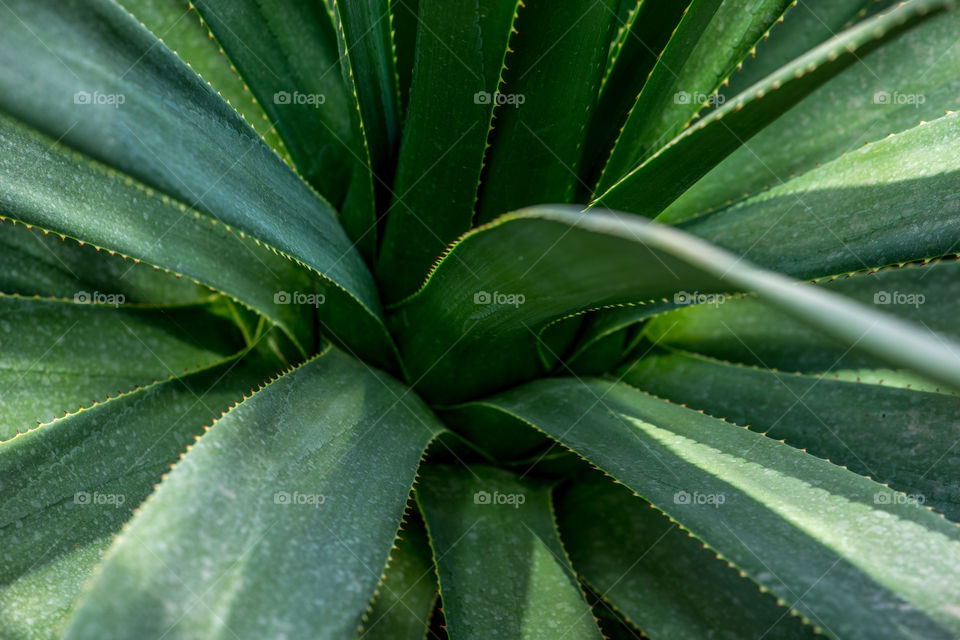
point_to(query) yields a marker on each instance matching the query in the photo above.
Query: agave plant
(499, 319)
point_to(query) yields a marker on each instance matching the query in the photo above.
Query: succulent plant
(405, 319)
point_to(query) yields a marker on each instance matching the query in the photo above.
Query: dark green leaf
(502, 284)
(287, 53)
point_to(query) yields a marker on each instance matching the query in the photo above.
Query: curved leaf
(712, 38)
(744, 330)
(663, 177)
(58, 356)
(279, 520)
(80, 198)
(486, 527)
(177, 24)
(901, 437)
(34, 262)
(287, 53)
(86, 73)
(891, 89)
(69, 486)
(504, 283)
(855, 558)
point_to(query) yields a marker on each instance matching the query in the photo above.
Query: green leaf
(58, 356)
(459, 57)
(287, 53)
(543, 119)
(643, 33)
(34, 262)
(69, 487)
(408, 593)
(366, 48)
(884, 89)
(855, 558)
(277, 521)
(178, 25)
(503, 572)
(746, 331)
(502, 284)
(901, 437)
(806, 25)
(659, 578)
(712, 38)
(167, 128)
(651, 187)
(78, 197)
(405, 27)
